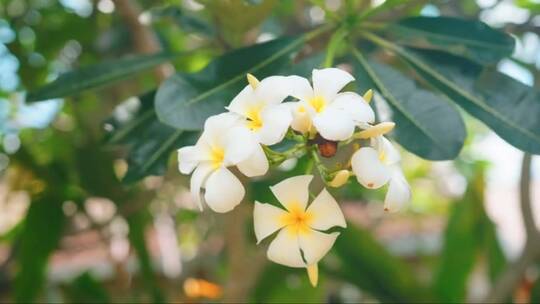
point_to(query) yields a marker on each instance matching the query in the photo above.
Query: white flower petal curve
(223, 191)
(255, 165)
(315, 245)
(391, 154)
(197, 181)
(368, 168)
(188, 159)
(334, 124)
(276, 120)
(241, 102)
(273, 89)
(239, 144)
(267, 220)
(285, 249)
(355, 106)
(325, 212)
(293, 191)
(399, 192)
(300, 88)
(328, 82)
(215, 125)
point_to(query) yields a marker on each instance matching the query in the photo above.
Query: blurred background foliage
(94, 210)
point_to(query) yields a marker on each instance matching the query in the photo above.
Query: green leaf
(472, 39)
(426, 124)
(40, 236)
(149, 142)
(137, 223)
(85, 289)
(505, 105)
(99, 75)
(184, 101)
(368, 265)
(462, 241)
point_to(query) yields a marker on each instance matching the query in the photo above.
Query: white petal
(239, 144)
(399, 192)
(216, 126)
(391, 154)
(285, 249)
(241, 102)
(301, 118)
(188, 159)
(197, 181)
(274, 89)
(293, 192)
(355, 106)
(328, 82)
(276, 121)
(300, 88)
(223, 191)
(315, 245)
(325, 212)
(267, 220)
(334, 124)
(369, 170)
(255, 165)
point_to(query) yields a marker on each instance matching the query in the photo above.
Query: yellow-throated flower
(300, 241)
(323, 109)
(223, 143)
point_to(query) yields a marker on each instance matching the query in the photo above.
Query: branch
(507, 281)
(143, 38)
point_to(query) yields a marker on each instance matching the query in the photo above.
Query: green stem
(335, 41)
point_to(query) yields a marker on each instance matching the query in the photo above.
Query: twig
(506, 282)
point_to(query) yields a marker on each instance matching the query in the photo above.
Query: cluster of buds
(319, 120)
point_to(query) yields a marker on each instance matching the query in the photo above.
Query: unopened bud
(253, 82)
(368, 95)
(327, 148)
(376, 130)
(340, 178)
(313, 274)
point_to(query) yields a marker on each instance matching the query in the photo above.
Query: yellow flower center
(318, 103)
(297, 221)
(254, 120)
(217, 155)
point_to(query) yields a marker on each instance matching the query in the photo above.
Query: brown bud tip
(386, 209)
(327, 148)
(370, 185)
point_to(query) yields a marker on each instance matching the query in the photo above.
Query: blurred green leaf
(149, 142)
(535, 292)
(504, 104)
(532, 5)
(426, 124)
(462, 243)
(184, 101)
(468, 38)
(188, 21)
(99, 75)
(40, 236)
(137, 223)
(86, 289)
(368, 265)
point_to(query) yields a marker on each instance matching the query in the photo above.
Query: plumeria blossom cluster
(318, 118)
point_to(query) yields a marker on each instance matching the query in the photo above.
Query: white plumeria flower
(223, 143)
(300, 228)
(375, 166)
(322, 108)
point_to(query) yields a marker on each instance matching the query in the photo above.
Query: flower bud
(340, 178)
(376, 130)
(368, 95)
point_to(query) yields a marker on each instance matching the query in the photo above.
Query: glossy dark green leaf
(504, 104)
(149, 142)
(472, 39)
(86, 289)
(369, 266)
(184, 101)
(186, 20)
(40, 236)
(99, 75)
(137, 223)
(426, 124)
